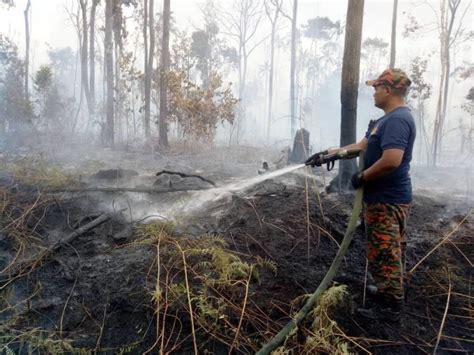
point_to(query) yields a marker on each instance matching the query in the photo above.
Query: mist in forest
(133, 73)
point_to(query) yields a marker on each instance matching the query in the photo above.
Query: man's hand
(357, 180)
(316, 159)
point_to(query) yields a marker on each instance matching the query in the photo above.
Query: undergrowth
(202, 280)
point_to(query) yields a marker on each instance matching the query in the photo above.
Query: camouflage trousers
(386, 244)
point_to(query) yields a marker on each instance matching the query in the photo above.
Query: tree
(164, 66)
(85, 56)
(468, 106)
(448, 36)
(241, 23)
(373, 50)
(15, 110)
(393, 42)
(320, 60)
(293, 93)
(198, 109)
(420, 91)
(92, 53)
(27, 14)
(149, 65)
(350, 85)
(51, 105)
(273, 9)
(8, 3)
(109, 74)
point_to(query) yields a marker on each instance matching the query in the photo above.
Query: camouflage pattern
(395, 78)
(386, 244)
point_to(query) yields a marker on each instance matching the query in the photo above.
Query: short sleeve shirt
(396, 130)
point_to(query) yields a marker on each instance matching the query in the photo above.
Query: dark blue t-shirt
(394, 130)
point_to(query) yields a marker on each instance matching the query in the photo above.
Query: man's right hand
(316, 159)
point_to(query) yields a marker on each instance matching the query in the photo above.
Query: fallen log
(120, 189)
(21, 265)
(311, 302)
(91, 225)
(183, 175)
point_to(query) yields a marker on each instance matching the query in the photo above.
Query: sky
(50, 24)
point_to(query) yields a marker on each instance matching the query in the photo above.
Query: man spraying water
(388, 146)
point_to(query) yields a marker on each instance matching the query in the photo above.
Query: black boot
(383, 309)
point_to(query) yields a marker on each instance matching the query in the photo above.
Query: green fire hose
(310, 303)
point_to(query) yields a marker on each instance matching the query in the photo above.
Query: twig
(440, 333)
(307, 221)
(247, 286)
(365, 282)
(97, 345)
(21, 264)
(441, 242)
(121, 189)
(188, 293)
(185, 176)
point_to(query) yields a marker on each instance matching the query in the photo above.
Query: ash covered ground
(98, 291)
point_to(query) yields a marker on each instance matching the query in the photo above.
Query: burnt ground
(95, 293)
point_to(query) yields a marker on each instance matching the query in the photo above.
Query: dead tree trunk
(26, 14)
(446, 41)
(109, 73)
(85, 55)
(149, 68)
(165, 64)
(273, 20)
(393, 43)
(350, 86)
(92, 54)
(293, 96)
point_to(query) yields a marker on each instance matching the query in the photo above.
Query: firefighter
(388, 147)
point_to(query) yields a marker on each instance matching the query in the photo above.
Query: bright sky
(50, 24)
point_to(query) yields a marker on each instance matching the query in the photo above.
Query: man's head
(390, 87)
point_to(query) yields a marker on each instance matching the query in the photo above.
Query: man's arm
(388, 162)
(359, 145)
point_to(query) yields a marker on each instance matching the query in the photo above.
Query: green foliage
(217, 278)
(15, 110)
(322, 28)
(324, 336)
(32, 341)
(50, 104)
(43, 79)
(208, 48)
(420, 89)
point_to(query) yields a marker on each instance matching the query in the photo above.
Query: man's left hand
(357, 180)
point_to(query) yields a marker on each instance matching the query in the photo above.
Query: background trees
(282, 63)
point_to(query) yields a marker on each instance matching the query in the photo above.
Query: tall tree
(92, 53)
(165, 64)
(109, 73)
(149, 65)
(85, 55)
(241, 23)
(26, 14)
(448, 11)
(350, 85)
(273, 10)
(393, 42)
(293, 93)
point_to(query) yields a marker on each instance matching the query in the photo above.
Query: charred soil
(219, 282)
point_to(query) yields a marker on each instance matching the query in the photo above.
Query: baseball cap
(395, 78)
